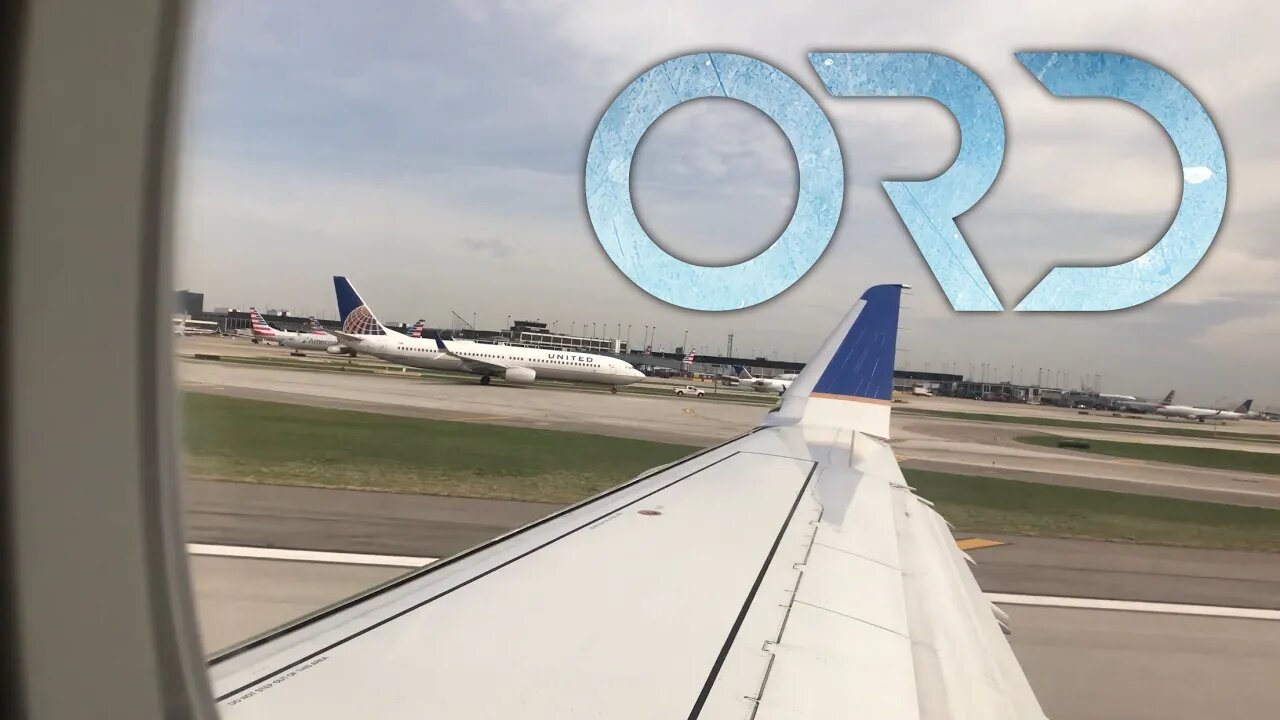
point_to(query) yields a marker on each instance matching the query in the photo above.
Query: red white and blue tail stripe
(315, 327)
(260, 326)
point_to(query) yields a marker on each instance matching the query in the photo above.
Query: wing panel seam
(751, 594)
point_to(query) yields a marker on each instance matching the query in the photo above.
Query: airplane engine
(520, 376)
(339, 350)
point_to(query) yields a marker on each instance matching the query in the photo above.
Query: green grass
(979, 504)
(1217, 458)
(265, 442)
(1088, 425)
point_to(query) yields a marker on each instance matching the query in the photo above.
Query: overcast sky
(434, 153)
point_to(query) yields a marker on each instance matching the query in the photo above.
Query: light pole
(645, 342)
(593, 330)
(628, 337)
(685, 345)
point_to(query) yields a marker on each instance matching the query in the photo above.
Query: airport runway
(942, 444)
(428, 526)
(991, 449)
(945, 404)
(667, 419)
(1083, 664)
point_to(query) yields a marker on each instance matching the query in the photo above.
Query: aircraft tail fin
(742, 373)
(416, 331)
(357, 317)
(315, 327)
(1244, 406)
(259, 325)
(849, 383)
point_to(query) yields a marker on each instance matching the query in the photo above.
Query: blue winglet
(439, 341)
(862, 365)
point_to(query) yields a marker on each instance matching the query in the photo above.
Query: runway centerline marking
(406, 561)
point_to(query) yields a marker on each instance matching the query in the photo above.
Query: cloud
(450, 140)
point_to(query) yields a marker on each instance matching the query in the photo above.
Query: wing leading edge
(789, 573)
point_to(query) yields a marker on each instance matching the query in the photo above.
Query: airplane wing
(473, 361)
(347, 338)
(788, 573)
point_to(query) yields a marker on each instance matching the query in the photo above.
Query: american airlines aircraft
(317, 339)
(1202, 414)
(790, 572)
(362, 331)
(778, 384)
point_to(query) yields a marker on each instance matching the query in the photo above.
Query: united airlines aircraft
(518, 365)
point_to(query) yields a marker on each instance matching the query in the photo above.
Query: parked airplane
(317, 339)
(1202, 414)
(418, 327)
(820, 583)
(187, 326)
(519, 365)
(1145, 407)
(778, 384)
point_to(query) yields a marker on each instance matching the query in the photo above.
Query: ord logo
(928, 208)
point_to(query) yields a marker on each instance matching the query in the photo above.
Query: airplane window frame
(104, 236)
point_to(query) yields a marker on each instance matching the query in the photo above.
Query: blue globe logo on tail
(357, 318)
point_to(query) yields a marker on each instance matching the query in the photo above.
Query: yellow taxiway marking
(976, 543)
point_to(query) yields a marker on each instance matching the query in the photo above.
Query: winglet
(440, 342)
(849, 383)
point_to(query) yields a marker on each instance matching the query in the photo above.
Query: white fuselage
(1196, 413)
(301, 341)
(767, 384)
(547, 364)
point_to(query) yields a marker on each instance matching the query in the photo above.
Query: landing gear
(613, 389)
(484, 379)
